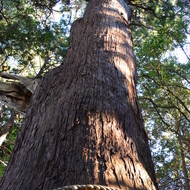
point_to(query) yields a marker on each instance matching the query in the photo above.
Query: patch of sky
(182, 56)
(76, 11)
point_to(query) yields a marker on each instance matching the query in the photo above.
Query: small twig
(181, 46)
(1, 11)
(43, 66)
(3, 163)
(4, 61)
(4, 147)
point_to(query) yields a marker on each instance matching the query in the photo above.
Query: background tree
(164, 94)
(83, 123)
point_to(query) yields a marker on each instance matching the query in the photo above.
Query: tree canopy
(32, 42)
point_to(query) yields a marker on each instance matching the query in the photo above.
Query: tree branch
(181, 46)
(7, 128)
(43, 66)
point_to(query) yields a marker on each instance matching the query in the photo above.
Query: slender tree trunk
(83, 125)
(187, 186)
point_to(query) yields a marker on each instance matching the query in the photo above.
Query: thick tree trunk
(83, 125)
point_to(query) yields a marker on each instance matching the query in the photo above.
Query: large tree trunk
(83, 125)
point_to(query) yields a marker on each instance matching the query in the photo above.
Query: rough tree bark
(83, 125)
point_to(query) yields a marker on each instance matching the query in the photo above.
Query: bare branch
(7, 128)
(43, 66)
(30, 84)
(181, 46)
(3, 163)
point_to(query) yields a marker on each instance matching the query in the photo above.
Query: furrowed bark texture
(83, 125)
